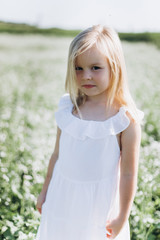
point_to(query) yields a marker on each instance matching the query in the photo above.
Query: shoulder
(64, 97)
(64, 101)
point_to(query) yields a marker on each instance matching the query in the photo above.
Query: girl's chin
(93, 93)
(89, 91)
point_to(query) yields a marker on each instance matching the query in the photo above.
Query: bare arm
(52, 162)
(130, 142)
(131, 139)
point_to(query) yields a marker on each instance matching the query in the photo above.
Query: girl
(92, 174)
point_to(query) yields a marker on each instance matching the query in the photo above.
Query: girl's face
(92, 72)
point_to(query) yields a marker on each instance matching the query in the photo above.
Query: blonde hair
(108, 43)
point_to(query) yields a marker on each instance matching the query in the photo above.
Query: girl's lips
(88, 86)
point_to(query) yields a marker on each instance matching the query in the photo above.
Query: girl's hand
(114, 227)
(40, 200)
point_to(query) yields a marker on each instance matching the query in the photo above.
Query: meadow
(32, 76)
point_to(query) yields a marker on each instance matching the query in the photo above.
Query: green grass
(32, 76)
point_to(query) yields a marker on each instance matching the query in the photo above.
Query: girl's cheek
(78, 80)
(78, 75)
(98, 74)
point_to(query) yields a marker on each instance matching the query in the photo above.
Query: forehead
(92, 55)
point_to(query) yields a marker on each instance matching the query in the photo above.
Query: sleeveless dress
(83, 192)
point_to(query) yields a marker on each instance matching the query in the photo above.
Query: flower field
(32, 76)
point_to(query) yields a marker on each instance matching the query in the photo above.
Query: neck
(98, 99)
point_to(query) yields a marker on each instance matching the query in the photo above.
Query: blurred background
(124, 16)
(34, 40)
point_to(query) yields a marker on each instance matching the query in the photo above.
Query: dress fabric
(83, 192)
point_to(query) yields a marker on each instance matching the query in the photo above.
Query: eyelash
(94, 68)
(78, 68)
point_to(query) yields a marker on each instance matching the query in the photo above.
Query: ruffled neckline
(82, 128)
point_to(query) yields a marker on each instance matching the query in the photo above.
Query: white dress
(83, 192)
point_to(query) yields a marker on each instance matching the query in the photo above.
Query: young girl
(92, 174)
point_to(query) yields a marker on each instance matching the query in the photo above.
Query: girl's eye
(96, 68)
(78, 68)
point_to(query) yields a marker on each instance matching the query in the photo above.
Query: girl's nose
(87, 75)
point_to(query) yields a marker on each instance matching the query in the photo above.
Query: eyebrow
(98, 63)
(93, 64)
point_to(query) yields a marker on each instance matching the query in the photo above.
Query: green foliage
(145, 215)
(136, 37)
(20, 28)
(141, 37)
(32, 74)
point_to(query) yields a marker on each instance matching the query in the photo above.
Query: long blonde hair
(108, 42)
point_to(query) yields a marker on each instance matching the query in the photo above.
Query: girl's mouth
(88, 86)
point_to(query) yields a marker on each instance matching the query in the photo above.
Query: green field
(32, 76)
